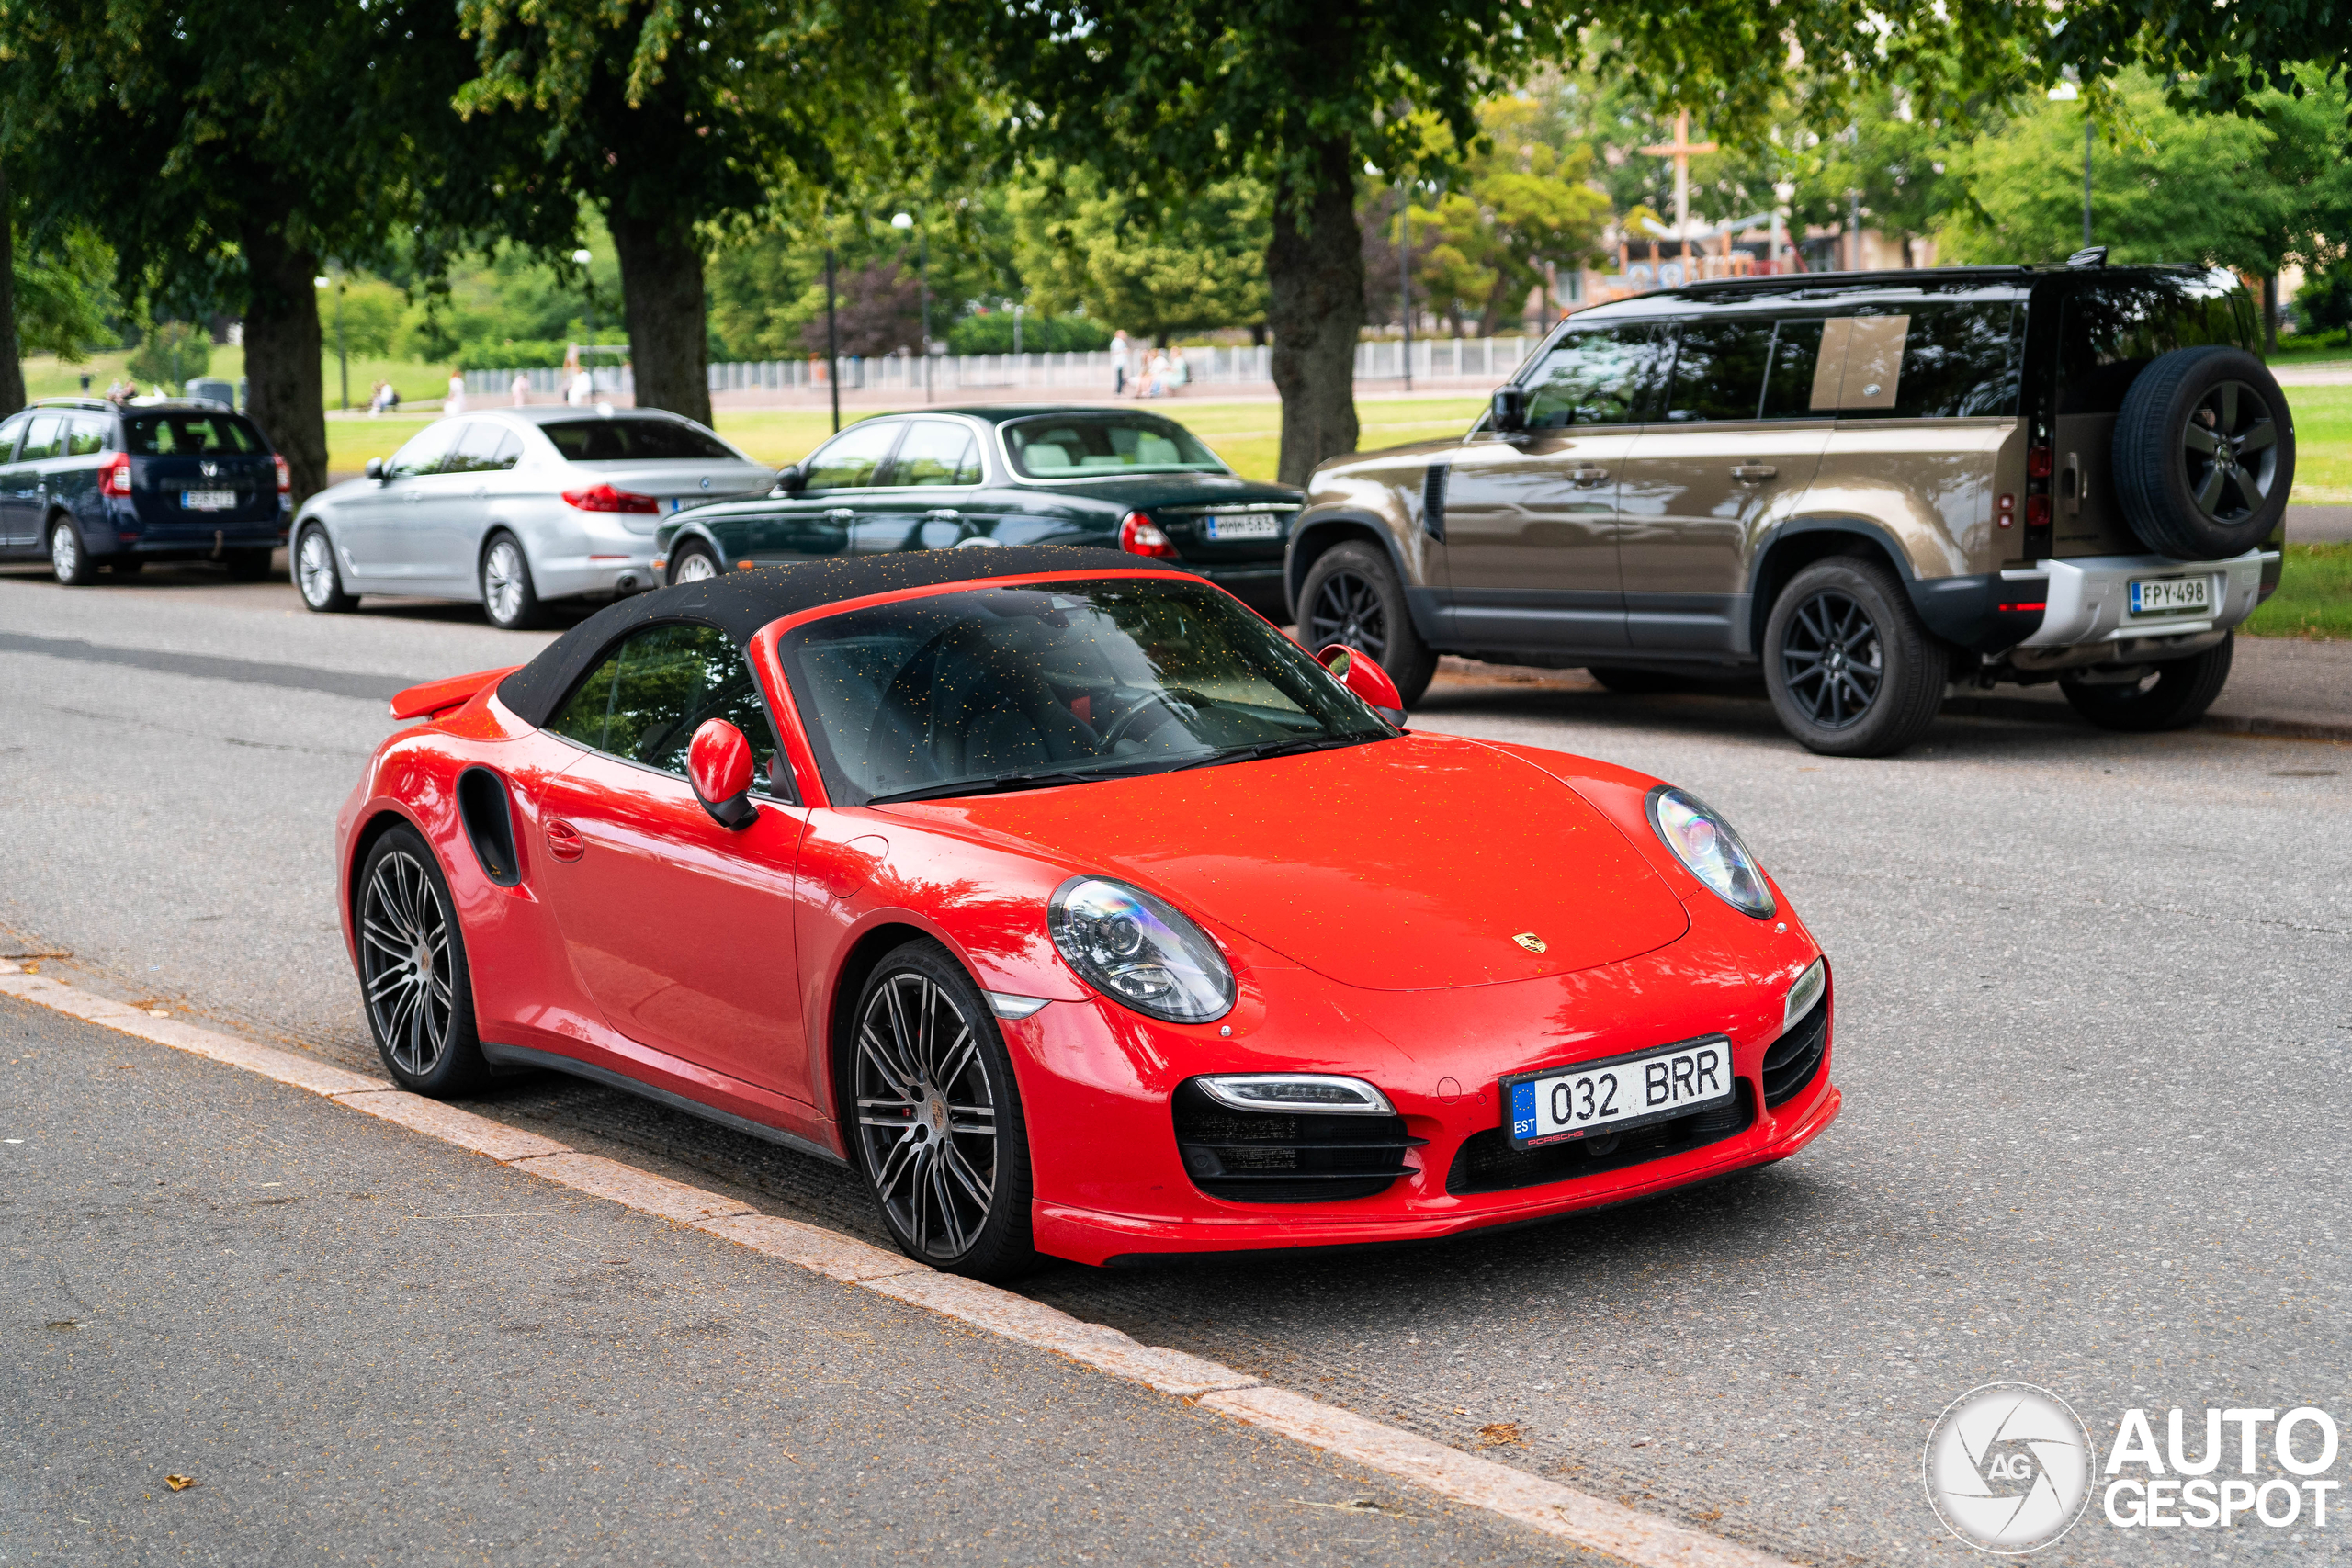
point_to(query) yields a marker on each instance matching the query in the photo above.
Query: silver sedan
(512, 507)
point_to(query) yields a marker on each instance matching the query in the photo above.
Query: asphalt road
(366, 1346)
(2092, 1023)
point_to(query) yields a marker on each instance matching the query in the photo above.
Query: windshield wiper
(1002, 783)
(1276, 749)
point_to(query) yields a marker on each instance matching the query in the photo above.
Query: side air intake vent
(1790, 1061)
(1433, 501)
(489, 824)
(1260, 1157)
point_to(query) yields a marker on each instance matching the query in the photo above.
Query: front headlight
(1138, 952)
(1704, 842)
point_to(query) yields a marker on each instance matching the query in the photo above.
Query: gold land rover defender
(1873, 486)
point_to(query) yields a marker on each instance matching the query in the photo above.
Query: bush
(992, 333)
(2324, 304)
(174, 353)
(514, 354)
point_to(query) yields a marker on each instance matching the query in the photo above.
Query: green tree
(1154, 267)
(244, 141)
(62, 300)
(1518, 204)
(172, 354)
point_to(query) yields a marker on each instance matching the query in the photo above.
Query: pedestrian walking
(1118, 363)
(456, 401)
(582, 388)
(521, 388)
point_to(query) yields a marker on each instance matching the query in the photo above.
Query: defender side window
(1605, 375)
(1719, 371)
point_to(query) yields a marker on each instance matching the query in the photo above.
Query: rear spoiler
(437, 696)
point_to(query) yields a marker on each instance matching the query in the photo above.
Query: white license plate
(1224, 528)
(1556, 1104)
(209, 500)
(2172, 595)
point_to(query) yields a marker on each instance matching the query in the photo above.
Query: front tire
(938, 1133)
(1851, 670)
(507, 594)
(2173, 697)
(315, 576)
(1351, 596)
(414, 983)
(68, 561)
(694, 563)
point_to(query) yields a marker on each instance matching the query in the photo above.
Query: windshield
(165, 435)
(997, 688)
(629, 440)
(1064, 446)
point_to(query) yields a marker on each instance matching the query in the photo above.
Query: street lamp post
(832, 343)
(1405, 277)
(903, 222)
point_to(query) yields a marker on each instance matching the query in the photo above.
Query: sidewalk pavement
(365, 1344)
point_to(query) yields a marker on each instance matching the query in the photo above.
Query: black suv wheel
(2204, 453)
(1351, 596)
(1851, 670)
(2171, 695)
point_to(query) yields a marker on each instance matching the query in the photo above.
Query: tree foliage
(1177, 265)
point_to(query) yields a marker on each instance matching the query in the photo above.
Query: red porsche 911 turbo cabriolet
(1080, 911)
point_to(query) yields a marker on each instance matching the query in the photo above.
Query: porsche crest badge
(1530, 940)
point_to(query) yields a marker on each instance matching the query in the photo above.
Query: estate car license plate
(2172, 595)
(209, 500)
(1560, 1103)
(1224, 528)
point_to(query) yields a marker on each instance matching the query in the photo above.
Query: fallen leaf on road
(179, 1483)
(67, 1323)
(1496, 1433)
(1355, 1505)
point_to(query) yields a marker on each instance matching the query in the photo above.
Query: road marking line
(1593, 1523)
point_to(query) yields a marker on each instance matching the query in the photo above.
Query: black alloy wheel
(413, 971)
(939, 1132)
(2169, 695)
(1833, 661)
(1851, 670)
(2231, 445)
(1351, 596)
(2203, 454)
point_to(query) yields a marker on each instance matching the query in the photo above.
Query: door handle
(1588, 476)
(1753, 473)
(841, 514)
(564, 841)
(944, 513)
(2070, 484)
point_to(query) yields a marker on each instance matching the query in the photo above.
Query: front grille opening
(1791, 1061)
(1487, 1162)
(1266, 1157)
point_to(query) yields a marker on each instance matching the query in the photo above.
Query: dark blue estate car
(90, 484)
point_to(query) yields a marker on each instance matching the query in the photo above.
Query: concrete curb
(1561, 1512)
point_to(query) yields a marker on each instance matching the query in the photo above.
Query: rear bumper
(2088, 599)
(1257, 586)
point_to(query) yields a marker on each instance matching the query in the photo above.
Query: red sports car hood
(1410, 864)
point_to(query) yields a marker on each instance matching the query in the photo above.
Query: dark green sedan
(950, 478)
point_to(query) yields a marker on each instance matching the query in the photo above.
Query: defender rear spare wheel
(1851, 670)
(2204, 453)
(2169, 695)
(67, 559)
(315, 576)
(1351, 596)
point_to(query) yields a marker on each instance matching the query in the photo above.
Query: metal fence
(1481, 359)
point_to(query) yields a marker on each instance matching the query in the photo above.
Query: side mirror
(718, 762)
(793, 480)
(1359, 675)
(1509, 409)
(376, 469)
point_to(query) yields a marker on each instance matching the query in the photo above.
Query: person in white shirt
(1180, 374)
(583, 387)
(521, 388)
(456, 402)
(1118, 363)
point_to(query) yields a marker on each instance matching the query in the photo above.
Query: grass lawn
(2323, 445)
(47, 376)
(2314, 597)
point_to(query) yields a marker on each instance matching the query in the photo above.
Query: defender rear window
(189, 434)
(2108, 330)
(1932, 359)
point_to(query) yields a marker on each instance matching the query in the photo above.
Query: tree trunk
(12, 368)
(283, 391)
(661, 292)
(2271, 312)
(1315, 311)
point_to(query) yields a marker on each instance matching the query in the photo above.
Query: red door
(678, 928)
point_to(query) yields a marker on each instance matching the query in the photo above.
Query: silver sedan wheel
(314, 569)
(504, 577)
(695, 567)
(405, 964)
(926, 1115)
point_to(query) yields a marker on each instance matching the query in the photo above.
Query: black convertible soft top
(740, 602)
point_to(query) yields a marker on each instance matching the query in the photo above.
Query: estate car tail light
(2039, 462)
(114, 475)
(604, 498)
(285, 476)
(1140, 536)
